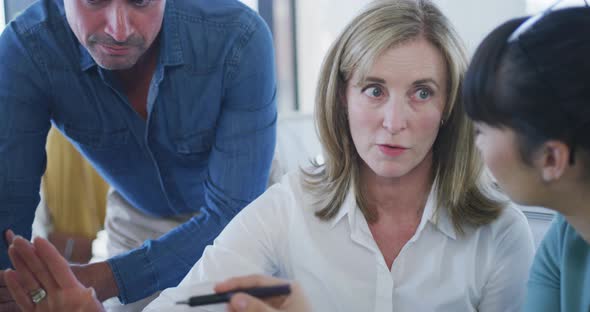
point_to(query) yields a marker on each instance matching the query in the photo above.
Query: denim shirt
(205, 147)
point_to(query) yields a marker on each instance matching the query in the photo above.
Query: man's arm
(24, 122)
(239, 166)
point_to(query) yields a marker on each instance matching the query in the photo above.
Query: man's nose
(118, 24)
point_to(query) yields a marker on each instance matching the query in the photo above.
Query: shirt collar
(170, 42)
(438, 217)
(348, 206)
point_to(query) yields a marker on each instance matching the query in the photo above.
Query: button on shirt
(341, 268)
(205, 147)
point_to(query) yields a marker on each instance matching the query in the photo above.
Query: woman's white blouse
(340, 267)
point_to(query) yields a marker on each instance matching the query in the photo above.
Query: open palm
(39, 265)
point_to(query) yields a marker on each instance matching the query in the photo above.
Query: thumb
(244, 303)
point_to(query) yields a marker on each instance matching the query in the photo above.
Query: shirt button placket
(385, 285)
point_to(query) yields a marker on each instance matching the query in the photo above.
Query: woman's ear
(553, 160)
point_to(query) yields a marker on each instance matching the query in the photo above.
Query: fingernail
(9, 236)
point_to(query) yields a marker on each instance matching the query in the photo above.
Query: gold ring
(37, 295)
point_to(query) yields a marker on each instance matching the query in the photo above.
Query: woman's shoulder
(511, 225)
(564, 236)
(512, 214)
(290, 192)
(290, 183)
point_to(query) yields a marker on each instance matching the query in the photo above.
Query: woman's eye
(423, 94)
(373, 91)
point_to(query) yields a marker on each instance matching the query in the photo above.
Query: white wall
(318, 24)
(473, 19)
(2, 16)
(251, 3)
(319, 21)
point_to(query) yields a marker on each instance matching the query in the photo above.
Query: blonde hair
(456, 164)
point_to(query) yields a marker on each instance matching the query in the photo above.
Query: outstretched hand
(40, 266)
(240, 302)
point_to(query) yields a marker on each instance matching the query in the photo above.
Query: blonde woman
(399, 217)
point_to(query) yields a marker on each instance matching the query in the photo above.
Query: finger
(27, 279)
(241, 302)
(3, 289)
(9, 236)
(92, 304)
(20, 294)
(5, 296)
(4, 293)
(247, 281)
(36, 266)
(242, 282)
(56, 264)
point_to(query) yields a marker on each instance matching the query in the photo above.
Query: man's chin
(110, 65)
(115, 62)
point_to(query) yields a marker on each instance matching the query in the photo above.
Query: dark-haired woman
(528, 90)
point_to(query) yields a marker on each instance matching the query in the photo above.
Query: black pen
(258, 292)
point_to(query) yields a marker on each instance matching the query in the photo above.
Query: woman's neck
(400, 196)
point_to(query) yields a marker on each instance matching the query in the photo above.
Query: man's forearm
(98, 276)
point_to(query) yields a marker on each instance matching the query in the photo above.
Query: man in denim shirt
(173, 101)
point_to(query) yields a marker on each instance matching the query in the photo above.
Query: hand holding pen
(261, 292)
(241, 302)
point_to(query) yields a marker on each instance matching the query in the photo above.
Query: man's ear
(553, 159)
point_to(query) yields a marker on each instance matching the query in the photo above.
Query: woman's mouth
(392, 150)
